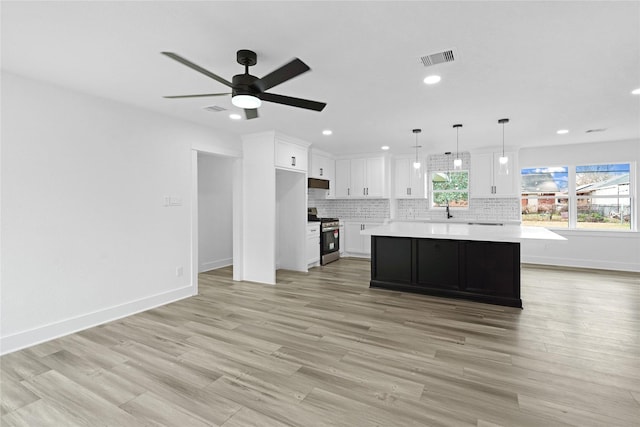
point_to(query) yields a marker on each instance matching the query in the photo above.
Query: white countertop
(458, 231)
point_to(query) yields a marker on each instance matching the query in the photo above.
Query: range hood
(322, 184)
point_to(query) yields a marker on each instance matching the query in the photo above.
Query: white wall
(291, 220)
(215, 219)
(589, 249)
(85, 235)
(258, 208)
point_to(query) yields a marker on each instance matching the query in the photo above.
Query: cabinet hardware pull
(321, 171)
(293, 160)
(364, 191)
(348, 191)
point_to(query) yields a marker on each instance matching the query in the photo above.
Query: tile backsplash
(351, 208)
(491, 209)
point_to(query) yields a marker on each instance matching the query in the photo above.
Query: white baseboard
(581, 263)
(20, 340)
(212, 265)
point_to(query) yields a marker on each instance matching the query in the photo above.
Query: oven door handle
(330, 229)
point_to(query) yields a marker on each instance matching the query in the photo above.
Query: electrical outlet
(179, 271)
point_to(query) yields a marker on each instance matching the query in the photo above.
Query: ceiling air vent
(214, 108)
(438, 58)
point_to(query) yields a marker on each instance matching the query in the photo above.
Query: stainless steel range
(329, 237)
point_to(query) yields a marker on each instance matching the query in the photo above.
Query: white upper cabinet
(343, 178)
(408, 183)
(322, 166)
(485, 177)
(375, 177)
(290, 155)
(361, 177)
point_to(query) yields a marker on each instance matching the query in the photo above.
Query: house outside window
(450, 188)
(592, 197)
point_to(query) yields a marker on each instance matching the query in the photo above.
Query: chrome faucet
(448, 213)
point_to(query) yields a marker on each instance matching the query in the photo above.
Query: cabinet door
(358, 177)
(409, 184)
(481, 175)
(318, 167)
(352, 238)
(402, 185)
(343, 178)
(291, 156)
(505, 185)
(493, 268)
(392, 260)
(366, 240)
(374, 177)
(313, 250)
(438, 263)
(328, 173)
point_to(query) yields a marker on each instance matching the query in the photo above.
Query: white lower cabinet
(313, 244)
(355, 243)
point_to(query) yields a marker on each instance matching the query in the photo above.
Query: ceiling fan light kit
(247, 91)
(246, 101)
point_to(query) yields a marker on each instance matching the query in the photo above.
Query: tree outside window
(450, 188)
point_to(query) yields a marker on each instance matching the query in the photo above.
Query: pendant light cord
(502, 139)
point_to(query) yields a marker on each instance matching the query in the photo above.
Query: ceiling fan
(248, 91)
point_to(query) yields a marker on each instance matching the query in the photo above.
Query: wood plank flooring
(322, 349)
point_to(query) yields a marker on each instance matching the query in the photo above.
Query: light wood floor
(322, 349)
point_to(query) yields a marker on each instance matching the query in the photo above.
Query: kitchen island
(475, 261)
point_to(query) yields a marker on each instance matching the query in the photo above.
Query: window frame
(432, 192)
(572, 205)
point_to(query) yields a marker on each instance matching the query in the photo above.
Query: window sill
(595, 233)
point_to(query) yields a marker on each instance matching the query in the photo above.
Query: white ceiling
(545, 65)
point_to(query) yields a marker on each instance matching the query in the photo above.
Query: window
(450, 188)
(545, 196)
(603, 197)
(597, 196)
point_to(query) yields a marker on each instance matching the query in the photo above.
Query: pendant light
(457, 162)
(416, 163)
(503, 160)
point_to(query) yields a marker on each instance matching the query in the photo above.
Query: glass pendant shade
(503, 161)
(246, 101)
(457, 162)
(417, 166)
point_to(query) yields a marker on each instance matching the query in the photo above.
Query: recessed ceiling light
(636, 91)
(562, 131)
(234, 116)
(384, 147)
(430, 80)
(327, 132)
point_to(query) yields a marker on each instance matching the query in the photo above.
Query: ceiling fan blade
(294, 102)
(282, 74)
(251, 113)
(197, 68)
(197, 96)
